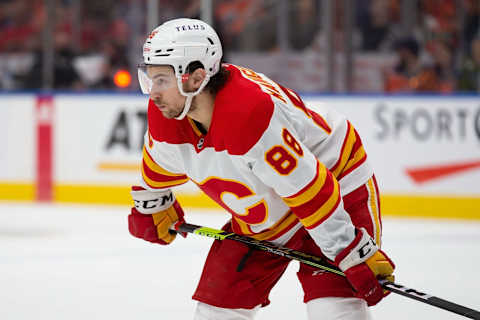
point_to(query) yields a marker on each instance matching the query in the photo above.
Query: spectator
(115, 59)
(377, 27)
(179, 8)
(440, 75)
(338, 33)
(407, 67)
(471, 26)
(240, 22)
(469, 77)
(440, 21)
(231, 15)
(304, 19)
(20, 22)
(65, 75)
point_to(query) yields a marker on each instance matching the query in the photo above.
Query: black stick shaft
(320, 263)
(429, 299)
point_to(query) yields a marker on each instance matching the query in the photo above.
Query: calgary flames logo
(152, 34)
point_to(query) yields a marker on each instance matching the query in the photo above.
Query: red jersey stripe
(346, 150)
(310, 190)
(305, 210)
(327, 207)
(154, 167)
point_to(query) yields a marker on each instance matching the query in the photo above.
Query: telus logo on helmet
(190, 27)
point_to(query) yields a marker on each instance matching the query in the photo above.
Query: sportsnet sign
(425, 150)
(418, 144)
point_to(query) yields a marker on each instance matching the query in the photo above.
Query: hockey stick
(320, 263)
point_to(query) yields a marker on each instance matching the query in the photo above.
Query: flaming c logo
(152, 34)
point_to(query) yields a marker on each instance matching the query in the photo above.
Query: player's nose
(155, 93)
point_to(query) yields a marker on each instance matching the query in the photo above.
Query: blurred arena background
(407, 73)
(347, 46)
(333, 46)
(72, 119)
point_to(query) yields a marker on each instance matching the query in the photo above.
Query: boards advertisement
(86, 148)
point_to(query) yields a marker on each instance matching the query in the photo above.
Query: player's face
(164, 92)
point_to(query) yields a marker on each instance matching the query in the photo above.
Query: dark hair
(408, 43)
(216, 82)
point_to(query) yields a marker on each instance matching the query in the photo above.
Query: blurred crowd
(94, 40)
(95, 29)
(441, 54)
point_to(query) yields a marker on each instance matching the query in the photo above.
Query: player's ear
(196, 78)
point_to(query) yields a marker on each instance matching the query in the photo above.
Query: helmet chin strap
(189, 95)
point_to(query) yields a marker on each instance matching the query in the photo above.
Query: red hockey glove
(363, 264)
(153, 215)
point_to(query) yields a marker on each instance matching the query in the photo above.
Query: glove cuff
(149, 202)
(361, 248)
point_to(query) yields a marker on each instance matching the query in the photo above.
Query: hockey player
(285, 173)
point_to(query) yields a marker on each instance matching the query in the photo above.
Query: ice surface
(80, 263)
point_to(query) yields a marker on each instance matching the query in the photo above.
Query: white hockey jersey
(273, 164)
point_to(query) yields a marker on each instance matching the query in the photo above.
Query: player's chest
(208, 164)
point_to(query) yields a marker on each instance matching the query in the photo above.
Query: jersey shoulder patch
(242, 114)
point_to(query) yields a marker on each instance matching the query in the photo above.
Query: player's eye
(159, 81)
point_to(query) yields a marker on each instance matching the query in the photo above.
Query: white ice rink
(79, 262)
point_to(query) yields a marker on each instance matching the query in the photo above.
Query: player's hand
(364, 264)
(153, 215)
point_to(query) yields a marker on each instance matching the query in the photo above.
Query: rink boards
(86, 148)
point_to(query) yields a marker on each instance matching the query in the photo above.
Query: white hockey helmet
(178, 43)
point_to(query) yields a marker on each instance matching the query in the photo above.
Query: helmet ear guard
(190, 95)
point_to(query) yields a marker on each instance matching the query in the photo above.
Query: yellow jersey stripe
(311, 192)
(194, 127)
(155, 167)
(244, 227)
(358, 156)
(280, 226)
(345, 152)
(325, 209)
(164, 184)
(374, 210)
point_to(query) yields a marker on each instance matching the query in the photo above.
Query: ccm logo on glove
(148, 202)
(367, 248)
(364, 263)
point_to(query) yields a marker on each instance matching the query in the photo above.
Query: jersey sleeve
(158, 166)
(284, 163)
